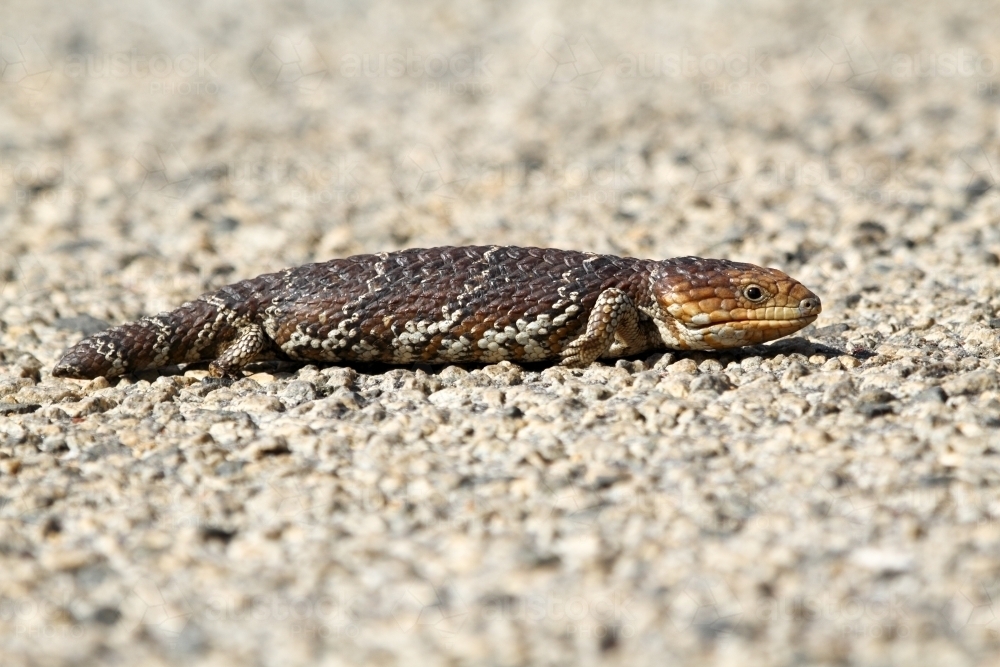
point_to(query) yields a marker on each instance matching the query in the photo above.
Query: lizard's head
(709, 304)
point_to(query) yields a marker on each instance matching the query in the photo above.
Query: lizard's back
(480, 303)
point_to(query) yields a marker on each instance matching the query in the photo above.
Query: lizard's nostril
(811, 303)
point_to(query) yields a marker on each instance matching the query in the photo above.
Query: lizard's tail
(179, 336)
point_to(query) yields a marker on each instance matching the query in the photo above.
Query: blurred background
(153, 150)
(150, 151)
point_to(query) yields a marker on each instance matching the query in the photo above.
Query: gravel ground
(831, 498)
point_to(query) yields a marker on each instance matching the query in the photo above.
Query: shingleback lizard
(460, 304)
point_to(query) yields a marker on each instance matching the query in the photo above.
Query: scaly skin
(460, 304)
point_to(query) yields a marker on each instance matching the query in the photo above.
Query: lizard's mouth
(797, 322)
(736, 333)
(785, 318)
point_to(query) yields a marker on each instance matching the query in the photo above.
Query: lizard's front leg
(613, 327)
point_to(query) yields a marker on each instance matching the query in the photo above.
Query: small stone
(831, 331)
(875, 403)
(452, 374)
(259, 403)
(646, 379)
(974, 382)
(876, 396)
(338, 377)
(683, 367)
(18, 408)
(710, 366)
(832, 365)
(66, 560)
(849, 362)
(931, 394)
(54, 444)
(53, 413)
(96, 384)
(266, 446)
(29, 367)
(630, 366)
(870, 410)
(229, 468)
(512, 412)
(96, 404)
(297, 392)
(883, 561)
(713, 382)
(660, 362)
(46, 393)
(795, 371)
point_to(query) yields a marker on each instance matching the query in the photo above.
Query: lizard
(466, 304)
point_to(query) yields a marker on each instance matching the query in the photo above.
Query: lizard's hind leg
(250, 341)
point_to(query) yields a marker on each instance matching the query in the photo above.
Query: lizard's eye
(754, 293)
